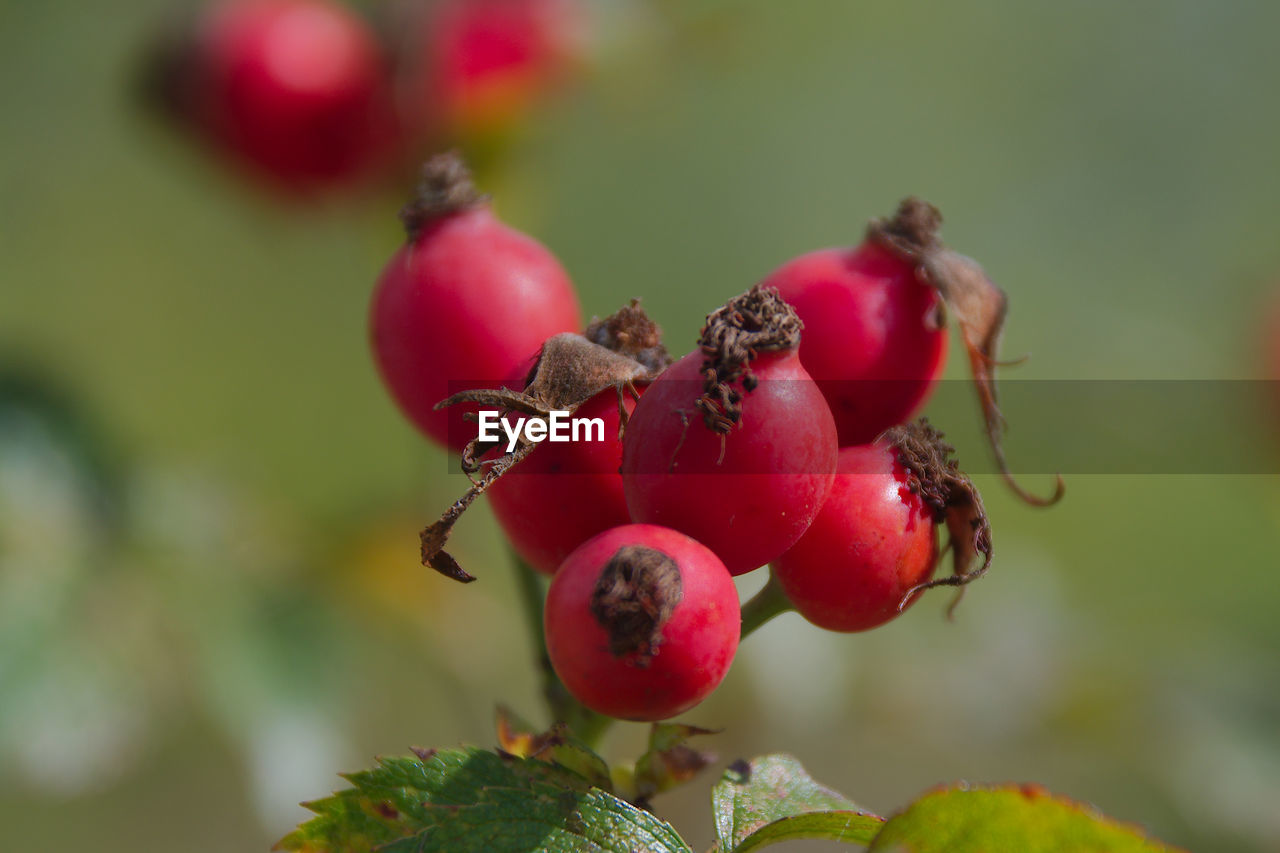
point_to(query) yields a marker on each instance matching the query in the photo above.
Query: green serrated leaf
(1024, 818)
(772, 799)
(469, 801)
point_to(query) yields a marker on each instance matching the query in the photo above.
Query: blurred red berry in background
(297, 92)
(481, 65)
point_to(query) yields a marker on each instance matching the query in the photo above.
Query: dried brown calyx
(630, 332)
(633, 600)
(733, 336)
(444, 188)
(978, 305)
(937, 479)
(570, 370)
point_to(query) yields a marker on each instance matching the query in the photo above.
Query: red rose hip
(870, 545)
(874, 337)
(641, 622)
(564, 494)
(873, 334)
(486, 62)
(873, 547)
(734, 443)
(297, 91)
(468, 301)
(567, 492)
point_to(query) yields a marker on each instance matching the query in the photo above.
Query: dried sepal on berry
(937, 479)
(444, 188)
(732, 337)
(979, 307)
(634, 596)
(630, 332)
(569, 371)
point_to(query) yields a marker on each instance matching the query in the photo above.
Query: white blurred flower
(290, 754)
(74, 731)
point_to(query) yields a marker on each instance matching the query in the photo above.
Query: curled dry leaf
(669, 761)
(570, 370)
(977, 304)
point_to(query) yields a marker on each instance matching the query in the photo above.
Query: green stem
(763, 606)
(586, 725)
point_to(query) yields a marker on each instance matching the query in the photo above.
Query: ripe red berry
(874, 338)
(468, 301)
(641, 622)
(486, 62)
(874, 541)
(564, 494)
(734, 444)
(298, 91)
(567, 492)
(873, 334)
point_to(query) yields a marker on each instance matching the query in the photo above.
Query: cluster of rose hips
(779, 440)
(308, 95)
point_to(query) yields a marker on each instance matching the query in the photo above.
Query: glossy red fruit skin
(871, 340)
(296, 90)
(491, 60)
(776, 472)
(464, 305)
(564, 493)
(872, 542)
(699, 640)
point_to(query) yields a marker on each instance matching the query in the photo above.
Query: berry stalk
(769, 602)
(586, 725)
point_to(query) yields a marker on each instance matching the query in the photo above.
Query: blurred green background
(210, 601)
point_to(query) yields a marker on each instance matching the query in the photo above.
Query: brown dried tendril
(978, 305)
